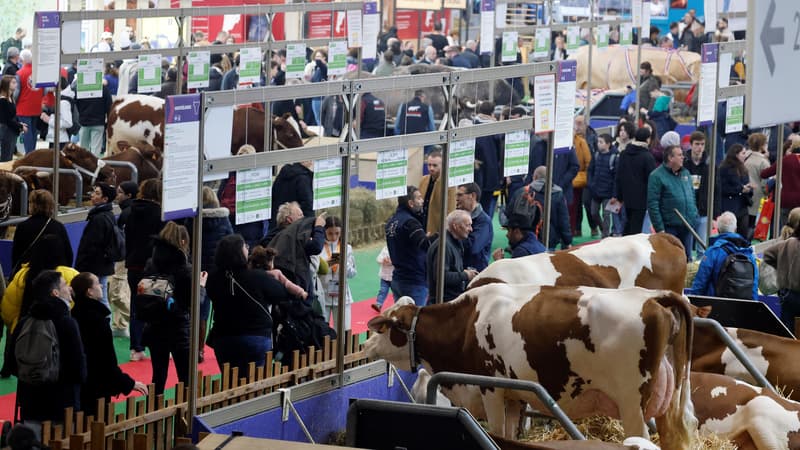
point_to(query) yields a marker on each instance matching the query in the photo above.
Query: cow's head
(9, 182)
(85, 159)
(389, 340)
(285, 133)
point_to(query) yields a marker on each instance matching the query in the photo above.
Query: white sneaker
(138, 356)
(120, 332)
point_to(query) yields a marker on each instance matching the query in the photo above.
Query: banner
(734, 115)
(603, 31)
(544, 93)
(295, 60)
(510, 46)
(517, 149)
(90, 78)
(199, 67)
(371, 28)
(327, 183)
(707, 102)
(250, 66)
(573, 37)
(541, 45)
(253, 195)
(391, 174)
(181, 144)
(149, 73)
(461, 162)
(337, 57)
(565, 104)
(625, 34)
(487, 26)
(46, 48)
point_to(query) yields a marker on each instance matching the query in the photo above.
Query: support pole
(341, 342)
(548, 191)
(712, 181)
(636, 72)
(56, 148)
(776, 221)
(588, 108)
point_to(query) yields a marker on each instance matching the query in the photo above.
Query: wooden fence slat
(58, 431)
(76, 442)
(98, 430)
(79, 422)
(140, 442)
(118, 444)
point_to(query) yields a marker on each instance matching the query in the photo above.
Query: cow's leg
(632, 419)
(494, 404)
(512, 414)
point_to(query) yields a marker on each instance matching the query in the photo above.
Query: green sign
(149, 71)
(510, 46)
(337, 57)
(295, 60)
(573, 37)
(517, 149)
(602, 35)
(734, 118)
(541, 43)
(391, 174)
(249, 66)
(327, 183)
(199, 66)
(90, 78)
(462, 162)
(253, 195)
(626, 34)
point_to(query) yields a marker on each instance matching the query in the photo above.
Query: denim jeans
(92, 138)
(29, 137)
(488, 203)
(404, 288)
(240, 351)
(383, 292)
(685, 236)
(702, 231)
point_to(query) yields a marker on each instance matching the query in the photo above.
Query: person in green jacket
(669, 188)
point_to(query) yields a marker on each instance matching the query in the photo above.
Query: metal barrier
(504, 383)
(129, 165)
(736, 350)
(73, 172)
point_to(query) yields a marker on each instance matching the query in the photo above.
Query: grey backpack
(37, 352)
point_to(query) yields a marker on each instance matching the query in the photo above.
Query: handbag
(767, 279)
(764, 219)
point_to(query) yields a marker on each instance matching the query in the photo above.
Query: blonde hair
(210, 199)
(792, 223)
(176, 235)
(246, 149)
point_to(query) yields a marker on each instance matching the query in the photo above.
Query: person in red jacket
(790, 192)
(29, 101)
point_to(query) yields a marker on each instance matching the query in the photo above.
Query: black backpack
(37, 353)
(116, 248)
(296, 327)
(736, 276)
(524, 204)
(76, 125)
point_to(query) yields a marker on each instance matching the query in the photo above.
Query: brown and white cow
(629, 444)
(777, 358)
(654, 261)
(135, 119)
(752, 417)
(622, 353)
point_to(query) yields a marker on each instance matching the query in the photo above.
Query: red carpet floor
(141, 370)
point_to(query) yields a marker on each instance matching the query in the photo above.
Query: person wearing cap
(12, 62)
(522, 240)
(106, 43)
(98, 236)
(453, 52)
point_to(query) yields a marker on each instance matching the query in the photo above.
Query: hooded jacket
(705, 281)
(142, 224)
(294, 183)
(95, 240)
(47, 401)
(216, 225)
(104, 377)
(633, 171)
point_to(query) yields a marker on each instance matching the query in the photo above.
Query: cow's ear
(703, 311)
(380, 324)
(405, 300)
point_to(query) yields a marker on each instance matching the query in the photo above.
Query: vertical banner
(327, 183)
(295, 60)
(734, 115)
(391, 174)
(517, 149)
(625, 33)
(253, 195)
(710, 14)
(250, 65)
(461, 162)
(645, 18)
(371, 29)
(565, 104)
(149, 73)
(46, 48)
(725, 64)
(707, 103)
(354, 31)
(541, 44)
(90, 78)
(181, 144)
(337, 57)
(199, 67)
(544, 93)
(510, 46)
(500, 14)
(487, 26)
(573, 37)
(636, 13)
(603, 30)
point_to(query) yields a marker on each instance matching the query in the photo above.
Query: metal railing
(73, 172)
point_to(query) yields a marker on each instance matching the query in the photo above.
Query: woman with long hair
(331, 253)
(735, 190)
(757, 159)
(10, 127)
(784, 257)
(170, 334)
(242, 329)
(41, 206)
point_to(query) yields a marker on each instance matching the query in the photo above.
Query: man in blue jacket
(479, 242)
(560, 231)
(727, 242)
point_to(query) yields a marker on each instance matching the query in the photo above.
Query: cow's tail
(680, 414)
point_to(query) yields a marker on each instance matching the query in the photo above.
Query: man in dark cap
(521, 239)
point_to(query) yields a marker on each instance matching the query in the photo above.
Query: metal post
(181, 44)
(587, 109)
(56, 148)
(776, 221)
(548, 191)
(340, 331)
(637, 69)
(197, 233)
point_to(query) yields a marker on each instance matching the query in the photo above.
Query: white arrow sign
(774, 50)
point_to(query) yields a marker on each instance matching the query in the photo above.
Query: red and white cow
(596, 351)
(135, 119)
(752, 417)
(777, 358)
(654, 261)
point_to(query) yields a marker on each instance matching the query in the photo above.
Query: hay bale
(691, 272)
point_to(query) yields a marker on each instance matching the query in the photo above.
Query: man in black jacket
(47, 401)
(294, 183)
(98, 236)
(456, 276)
(633, 171)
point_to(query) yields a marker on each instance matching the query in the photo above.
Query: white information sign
(541, 46)
(573, 37)
(46, 46)
(517, 149)
(773, 53)
(327, 183)
(181, 143)
(625, 34)
(544, 93)
(636, 13)
(500, 15)
(710, 14)
(391, 174)
(90, 78)
(734, 115)
(149, 74)
(462, 162)
(603, 31)
(487, 26)
(510, 46)
(565, 104)
(295, 60)
(250, 65)
(725, 63)
(354, 33)
(645, 18)
(371, 29)
(199, 70)
(337, 57)
(707, 103)
(253, 195)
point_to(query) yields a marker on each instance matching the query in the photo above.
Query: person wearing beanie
(670, 138)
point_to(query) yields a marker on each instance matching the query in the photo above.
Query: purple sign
(567, 70)
(487, 5)
(371, 8)
(710, 53)
(183, 108)
(47, 19)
